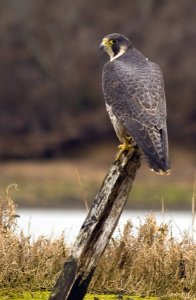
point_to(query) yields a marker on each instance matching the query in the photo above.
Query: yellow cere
(106, 42)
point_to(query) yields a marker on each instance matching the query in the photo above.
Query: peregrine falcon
(134, 93)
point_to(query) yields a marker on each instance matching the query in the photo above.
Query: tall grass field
(145, 261)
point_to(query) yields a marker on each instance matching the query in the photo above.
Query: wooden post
(97, 229)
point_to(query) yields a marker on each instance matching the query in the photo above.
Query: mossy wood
(97, 229)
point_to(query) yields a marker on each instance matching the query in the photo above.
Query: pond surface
(51, 223)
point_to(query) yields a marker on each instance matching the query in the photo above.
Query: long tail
(160, 162)
(154, 144)
(158, 165)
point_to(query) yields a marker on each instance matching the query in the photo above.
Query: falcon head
(115, 45)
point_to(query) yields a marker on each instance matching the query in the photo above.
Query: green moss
(116, 297)
(43, 295)
(17, 295)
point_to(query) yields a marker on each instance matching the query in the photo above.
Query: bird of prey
(134, 93)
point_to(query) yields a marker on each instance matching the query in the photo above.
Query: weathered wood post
(97, 229)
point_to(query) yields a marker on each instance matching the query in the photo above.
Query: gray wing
(137, 98)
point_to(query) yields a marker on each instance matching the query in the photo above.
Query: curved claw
(123, 148)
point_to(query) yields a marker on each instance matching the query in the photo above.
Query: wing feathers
(134, 89)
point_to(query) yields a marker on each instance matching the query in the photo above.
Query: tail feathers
(157, 155)
(159, 166)
(154, 144)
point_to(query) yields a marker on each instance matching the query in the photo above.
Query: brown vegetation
(24, 263)
(64, 183)
(150, 262)
(50, 68)
(143, 261)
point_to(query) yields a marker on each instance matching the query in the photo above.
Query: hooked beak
(104, 44)
(101, 47)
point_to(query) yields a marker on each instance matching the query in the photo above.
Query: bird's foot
(126, 147)
(130, 141)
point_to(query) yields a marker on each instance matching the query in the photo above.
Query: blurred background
(56, 140)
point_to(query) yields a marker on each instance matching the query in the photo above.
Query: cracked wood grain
(97, 229)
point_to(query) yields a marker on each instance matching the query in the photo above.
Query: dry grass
(23, 263)
(146, 261)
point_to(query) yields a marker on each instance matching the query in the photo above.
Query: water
(51, 223)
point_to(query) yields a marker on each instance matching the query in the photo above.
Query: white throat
(121, 52)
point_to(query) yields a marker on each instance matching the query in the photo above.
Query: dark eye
(114, 41)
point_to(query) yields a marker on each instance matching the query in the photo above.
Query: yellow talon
(123, 148)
